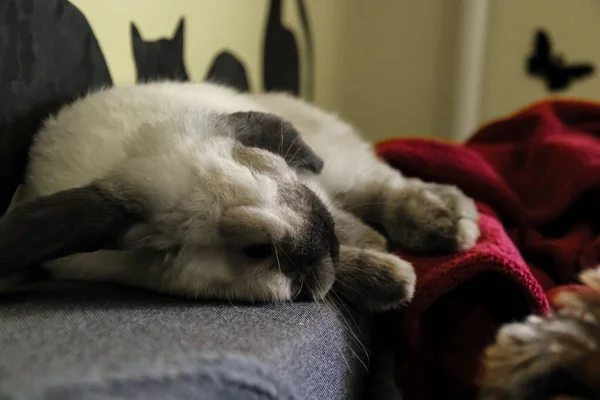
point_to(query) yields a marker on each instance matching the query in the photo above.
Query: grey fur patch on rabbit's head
(213, 196)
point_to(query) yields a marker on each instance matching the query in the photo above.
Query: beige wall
(383, 64)
(575, 26)
(398, 64)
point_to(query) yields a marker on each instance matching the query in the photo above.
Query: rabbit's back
(92, 135)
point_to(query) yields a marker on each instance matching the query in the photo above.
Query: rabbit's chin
(266, 288)
(211, 278)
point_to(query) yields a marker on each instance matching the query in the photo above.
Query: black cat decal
(228, 70)
(49, 56)
(552, 68)
(159, 59)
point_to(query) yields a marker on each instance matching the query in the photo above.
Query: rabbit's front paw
(429, 217)
(376, 280)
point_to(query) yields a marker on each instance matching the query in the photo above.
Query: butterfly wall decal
(552, 68)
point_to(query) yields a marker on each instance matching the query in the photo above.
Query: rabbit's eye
(258, 251)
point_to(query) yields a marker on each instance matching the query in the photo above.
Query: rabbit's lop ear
(77, 220)
(271, 133)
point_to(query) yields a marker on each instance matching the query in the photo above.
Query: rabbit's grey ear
(373, 279)
(72, 221)
(271, 133)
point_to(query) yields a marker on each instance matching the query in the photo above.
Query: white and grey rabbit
(197, 190)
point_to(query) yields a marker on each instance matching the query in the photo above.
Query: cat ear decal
(136, 40)
(178, 36)
(135, 33)
(269, 132)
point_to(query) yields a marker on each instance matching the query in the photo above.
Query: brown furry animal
(556, 357)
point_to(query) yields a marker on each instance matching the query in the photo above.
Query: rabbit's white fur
(104, 145)
(162, 141)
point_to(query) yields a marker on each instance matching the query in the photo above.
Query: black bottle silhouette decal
(281, 63)
(310, 59)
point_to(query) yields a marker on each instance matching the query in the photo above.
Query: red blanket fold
(536, 178)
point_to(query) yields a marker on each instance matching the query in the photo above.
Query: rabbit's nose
(312, 287)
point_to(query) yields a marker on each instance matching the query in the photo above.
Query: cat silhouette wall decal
(159, 59)
(49, 56)
(551, 67)
(230, 71)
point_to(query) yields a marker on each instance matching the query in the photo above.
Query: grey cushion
(86, 341)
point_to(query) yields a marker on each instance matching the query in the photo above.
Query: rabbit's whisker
(277, 258)
(291, 145)
(332, 304)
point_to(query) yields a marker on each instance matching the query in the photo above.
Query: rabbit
(197, 190)
(551, 357)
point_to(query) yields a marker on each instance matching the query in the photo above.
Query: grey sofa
(94, 341)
